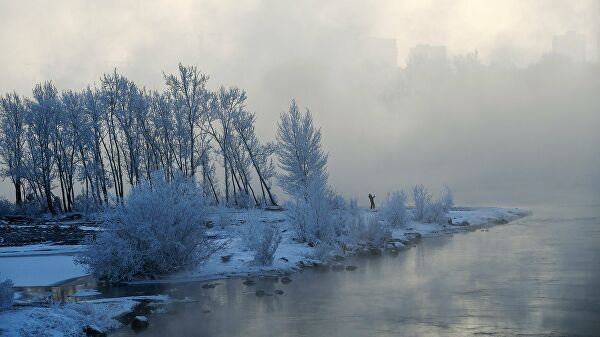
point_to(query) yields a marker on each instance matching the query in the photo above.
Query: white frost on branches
(159, 230)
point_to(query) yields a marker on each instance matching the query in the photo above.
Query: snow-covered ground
(232, 261)
(291, 255)
(68, 319)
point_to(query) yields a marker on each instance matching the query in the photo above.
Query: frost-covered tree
(301, 159)
(12, 138)
(421, 198)
(224, 106)
(6, 294)
(65, 144)
(41, 120)
(94, 136)
(110, 100)
(447, 199)
(188, 88)
(257, 153)
(106, 138)
(304, 178)
(159, 229)
(393, 209)
(429, 211)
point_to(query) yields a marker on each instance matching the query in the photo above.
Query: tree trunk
(48, 194)
(18, 194)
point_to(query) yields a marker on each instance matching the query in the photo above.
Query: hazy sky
(498, 143)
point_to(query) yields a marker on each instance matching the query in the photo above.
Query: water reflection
(538, 276)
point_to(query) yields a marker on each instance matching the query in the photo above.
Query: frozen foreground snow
(232, 261)
(68, 319)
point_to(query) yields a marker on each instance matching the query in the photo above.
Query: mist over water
(496, 116)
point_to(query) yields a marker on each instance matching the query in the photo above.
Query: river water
(536, 276)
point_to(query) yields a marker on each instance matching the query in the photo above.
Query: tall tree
(41, 121)
(12, 137)
(301, 158)
(189, 89)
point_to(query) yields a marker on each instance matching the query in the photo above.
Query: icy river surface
(539, 275)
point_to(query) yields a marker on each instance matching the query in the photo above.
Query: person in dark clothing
(372, 200)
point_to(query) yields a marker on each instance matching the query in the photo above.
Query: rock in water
(226, 258)
(351, 268)
(93, 331)
(278, 292)
(140, 323)
(260, 293)
(248, 282)
(286, 280)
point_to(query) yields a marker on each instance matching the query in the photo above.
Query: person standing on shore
(372, 200)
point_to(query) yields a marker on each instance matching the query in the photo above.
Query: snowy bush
(244, 200)
(393, 209)
(6, 294)
(365, 230)
(429, 211)
(376, 233)
(263, 239)
(85, 204)
(31, 207)
(6, 207)
(421, 198)
(434, 213)
(447, 200)
(159, 230)
(315, 220)
(336, 201)
(223, 217)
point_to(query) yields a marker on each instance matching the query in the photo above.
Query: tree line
(117, 134)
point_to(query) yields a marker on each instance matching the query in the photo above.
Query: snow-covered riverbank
(291, 255)
(70, 319)
(232, 261)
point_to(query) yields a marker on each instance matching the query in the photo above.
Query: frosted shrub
(30, 207)
(223, 216)
(159, 230)
(263, 239)
(6, 294)
(394, 209)
(447, 200)
(316, 221)
(376, 234)
(336, 201)
(85, 204)
(6, 207)
(363, 229)
(436, 211)
(421, 198)
(244, 200)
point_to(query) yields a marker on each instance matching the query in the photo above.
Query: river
(539, 275)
